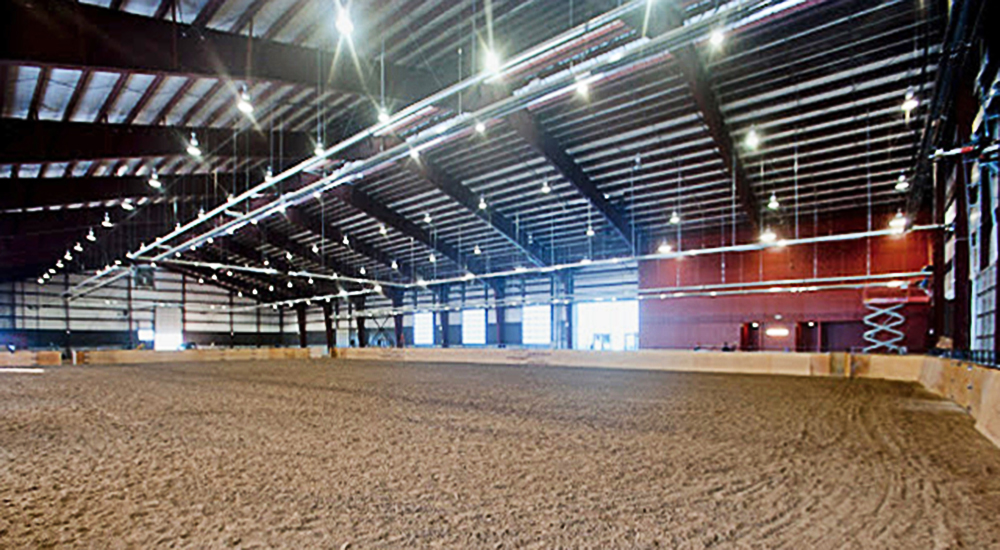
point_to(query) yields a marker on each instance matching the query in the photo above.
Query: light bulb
(902, 184)
(491, 61)
(90, 236)
(545, 187)
(753, 139)
(127, 205)
(476, 250)
(768, 236)
(480, 127)
(665, 248)
(898, 222)
(243, 104)
(395, 265)
(193, 147)
(432, 258)
(344, 24)
(773, 204)
(674, 218)
(154, 180)
(383, 116)
(717, 38)
(482, 203)
(590, 231)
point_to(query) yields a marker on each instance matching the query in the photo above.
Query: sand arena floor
(366, 455)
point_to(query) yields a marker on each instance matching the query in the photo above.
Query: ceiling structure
(97, 96)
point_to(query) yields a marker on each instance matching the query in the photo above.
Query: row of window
(536, 326)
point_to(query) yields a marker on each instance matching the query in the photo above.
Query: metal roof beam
(528, 127)
(363, 202)
(76, 35)
(38, 141)
(444, 182)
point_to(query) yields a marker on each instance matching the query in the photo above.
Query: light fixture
(427, 217)
(480, 127)
(585, 261)
(288, 255)
(910, 103)
(107, 221)
(127, 205)
(665, 248)
(768, 235)
(377, 288)
(315, 249)
(344, 24)
(753, 139)
(215, 277)
(590, 230)
(432, 258)
(898, 222)
(266, 262)
(211, 240)
(546, 189)
(491, 61)
(90, 235)
(482, 203)
(476, 250)
(363, 271)
(243, 103)
(268, 174)
(717, 38)
(382, 230)
(383, 115)
(193, 148)
(270, 288)
(254, 292)
(229, 273)
(201, 280)
(394, 265)
(773, 204)
(414, 154)
(68, 256)
(318, 151)
(78, 247)
(777, 332)
(53, 271)
(346, 241)
(154, 180)
(894, 284)
(201, 212)
(117, 262)
(290, 285)
(674, 218)
(583, 85)
(311, 281)
(41, 281)
(902, 184)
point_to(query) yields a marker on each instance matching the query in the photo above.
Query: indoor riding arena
(499, 274)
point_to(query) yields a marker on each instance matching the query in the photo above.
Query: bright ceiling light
(546, 189)
(383, 115)
(154, 180)
(318, 150)
(377, 288)
(414, 154)
(254, 292)
(193, 147)
(583, 85)
(311, 281)
(107, 221)
(243, 103)
(910, 103)
(288, 255)
(68, 256)
(363, 271)
(773, 204)
(675, 218)
(753, 139)
(427, 218)
(480, 127)
(590, 231)
(898, 222)
(344, 24)
(665, 248)
(90, 236)
(717, 38)
(53, 271)
(482, 203)
(270, 288)
(768, 235)
(902, 184)
(432, 258)
(127, 205)
(394, 265)
(585, 261)
(268, 174)
(382, 230)
(78, 247)
(346, 241)
(315, 249)
(476, 250)
(777, 332)
(491, 61)
(41, 281)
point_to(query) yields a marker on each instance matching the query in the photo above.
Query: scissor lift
(885, 318)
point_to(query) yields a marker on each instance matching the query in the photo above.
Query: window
(474, 327)
(607, 325)
(423, 329)
(536, 325)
